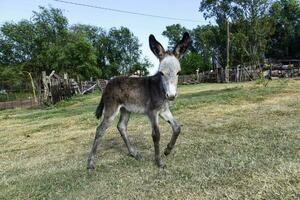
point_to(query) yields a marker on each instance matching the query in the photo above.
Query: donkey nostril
(171, 97)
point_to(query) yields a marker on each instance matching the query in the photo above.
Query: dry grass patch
(238, 141)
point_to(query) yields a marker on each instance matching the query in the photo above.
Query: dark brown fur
(146, 92)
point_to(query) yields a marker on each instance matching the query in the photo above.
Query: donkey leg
(107, 119)
(156, 137)
(168, 117)
(122, 127)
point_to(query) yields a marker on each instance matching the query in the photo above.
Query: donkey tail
(99, 109)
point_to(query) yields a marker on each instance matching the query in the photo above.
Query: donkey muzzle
(171, 97)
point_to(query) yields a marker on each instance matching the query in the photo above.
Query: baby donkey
(147, 95)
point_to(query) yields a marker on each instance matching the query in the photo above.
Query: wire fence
(17, 95)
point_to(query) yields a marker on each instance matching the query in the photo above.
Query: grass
(238, 141)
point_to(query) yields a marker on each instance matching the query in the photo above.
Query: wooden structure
(55, 88)
(243, 73)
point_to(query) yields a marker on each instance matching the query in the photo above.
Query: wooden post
(219, 75)
(226, 71)
(197, 72)
(32, 85)
(237, 74)
(46, 88)
(66, 77)
(270, 74)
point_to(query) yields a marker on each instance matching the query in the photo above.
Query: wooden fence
(52, 89)
(17, 94)
(238, 74)
(56, 88)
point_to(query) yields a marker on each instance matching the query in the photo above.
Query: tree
(285, 17)
(47, 43)
(141, 68)
(250, 27)
(252, 20)
(222, 11)
(16, 42)
(91, 33)
(120, 52)
(201, 48)
(117, 51)
(192, 62)
(206, 44)
(174, 34)
(34, 45)
(79, 58)
(126, 48)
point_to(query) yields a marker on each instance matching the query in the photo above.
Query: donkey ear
(156, 47)
(182, 46)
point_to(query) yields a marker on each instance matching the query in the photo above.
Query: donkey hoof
(136, 155)
(90, 170)
(90, 166)
(167, 151)
(161, 164)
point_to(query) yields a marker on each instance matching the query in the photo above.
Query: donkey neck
(156, 90)
(156, 84)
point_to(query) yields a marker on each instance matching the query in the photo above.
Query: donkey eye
(161, 73)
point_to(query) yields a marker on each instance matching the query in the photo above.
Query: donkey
(147, 95)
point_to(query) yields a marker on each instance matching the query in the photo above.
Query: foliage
(192, 62)
(47, 43)
(285, 17)
(124, 48)
(141, 68)
(200, 50)
(249, 31)
(174, 34)
(10, 77)
(117, 51)
(11, 37)
(78, 57)
(257, 28)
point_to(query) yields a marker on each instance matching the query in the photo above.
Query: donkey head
(169, 65)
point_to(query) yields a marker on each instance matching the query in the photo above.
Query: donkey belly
(134, 108)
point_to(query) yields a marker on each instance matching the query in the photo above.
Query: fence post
(33, 86)
(198, 78)
(46, 88)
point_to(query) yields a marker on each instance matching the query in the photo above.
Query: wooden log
(89, 89)
(45, 85)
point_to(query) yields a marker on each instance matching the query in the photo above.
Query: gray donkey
(146, 95)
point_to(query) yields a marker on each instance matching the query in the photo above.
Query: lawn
(238, 141)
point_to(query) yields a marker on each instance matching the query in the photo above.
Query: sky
(141, 26)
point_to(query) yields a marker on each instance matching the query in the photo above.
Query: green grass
(238, 141)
